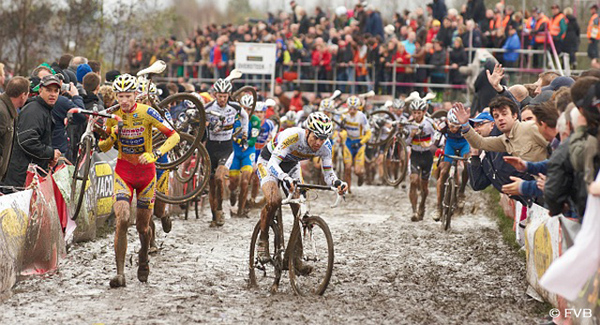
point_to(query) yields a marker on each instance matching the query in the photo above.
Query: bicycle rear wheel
(448, 203)
(378, 137)
(395, 161)
(79, 181)
(261, 274)
(316, 253)
(180, 153)
(196, 184)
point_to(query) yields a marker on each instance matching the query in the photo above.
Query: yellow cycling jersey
(136, 133)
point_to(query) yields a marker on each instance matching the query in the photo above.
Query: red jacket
(431, 34)
(321, 59)
(403, 58)
(296, 103)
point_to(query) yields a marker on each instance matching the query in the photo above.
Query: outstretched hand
(512, 188)
(518, 163)
(496, 76)
(462, 114)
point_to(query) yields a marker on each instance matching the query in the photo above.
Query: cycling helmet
(398, 104)
(125, 83)
(418, 105)
(326, 105)
(222, 86)
(320, 124)
(247, 100)
(143, 86)
(451, 117)
(260, 107)
(353, 101)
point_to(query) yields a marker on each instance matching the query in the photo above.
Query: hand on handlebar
(289, 183)
(342, 186)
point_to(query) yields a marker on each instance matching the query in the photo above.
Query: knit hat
(82, 70)
(111, 75)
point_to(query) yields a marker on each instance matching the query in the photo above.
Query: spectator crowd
(357, 50)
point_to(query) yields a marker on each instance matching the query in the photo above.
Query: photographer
(69, 98)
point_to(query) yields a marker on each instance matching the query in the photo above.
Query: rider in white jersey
(357, 132)
(279, 161)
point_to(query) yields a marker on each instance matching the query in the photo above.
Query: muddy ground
(387, 270)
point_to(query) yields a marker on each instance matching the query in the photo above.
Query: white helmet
(260, 107)
(398, 104)
(247, 100)
(125, 83)
(451, 117)
(326, 105)
(320, 124)
(222, 86)
(418, 105)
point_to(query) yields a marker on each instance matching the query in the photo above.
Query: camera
(65, 87)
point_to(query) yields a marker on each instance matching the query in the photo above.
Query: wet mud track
(387, 270)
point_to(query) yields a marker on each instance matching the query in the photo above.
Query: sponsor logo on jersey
(132, 132)
(255, 133)
(290, 140)
(132, 142)
(133, 150)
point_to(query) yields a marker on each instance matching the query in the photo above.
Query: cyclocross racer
(357, 133)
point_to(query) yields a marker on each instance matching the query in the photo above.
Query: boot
(213, 223)
(118, 281)
(262, 251)
(166, 224)
(232, 198)
(220, 218)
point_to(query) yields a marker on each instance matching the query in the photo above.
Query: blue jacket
(374, 24)
(512, 43)
(493, 170)
(59, 113)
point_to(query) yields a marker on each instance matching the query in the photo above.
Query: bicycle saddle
(156, 68)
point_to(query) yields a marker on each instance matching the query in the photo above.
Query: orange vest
(592, 30)
(540, 37)
(555, 25)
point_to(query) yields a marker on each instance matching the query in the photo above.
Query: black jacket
(572, 35)
(33, 141)
(493, 170)
(458, 56)
(564, 186)
(484, 92)
(475, 10)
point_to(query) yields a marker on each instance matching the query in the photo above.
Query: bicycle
(451, 189)
(395, 158)
(84, 154)
(308, 229)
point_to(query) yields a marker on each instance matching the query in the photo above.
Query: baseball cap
(50, 80)
(562, 81)
(482, 117)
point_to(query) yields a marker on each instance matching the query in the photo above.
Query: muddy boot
(415, 217)
(361, 179)
(437, 215)
(143, 270)
(219, 218)
(233, 198)
(118, 281)
(262, 251)
(166, 224)
(213, 223)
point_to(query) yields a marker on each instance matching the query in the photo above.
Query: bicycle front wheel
(380, 136)
(395, 161)
(311, 262)
(263, 274)
(79, 181)
(448, 203)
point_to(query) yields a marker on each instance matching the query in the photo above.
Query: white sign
(255, 58)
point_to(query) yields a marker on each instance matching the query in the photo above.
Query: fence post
(373, 79)
(394, 79)
(316, 88)
(299, 73)
(334, 77)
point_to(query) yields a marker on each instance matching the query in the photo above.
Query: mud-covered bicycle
(310, 243)
(451, 189)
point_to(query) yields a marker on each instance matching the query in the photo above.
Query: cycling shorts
(421, 163)
(292, 169)
(162, 178)
(139, 178)
(240, 161)
(453, 145)
(218, 152)
(356, 154)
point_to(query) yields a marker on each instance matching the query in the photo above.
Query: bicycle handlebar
(95, 114)
(290, 200)
(456, 157)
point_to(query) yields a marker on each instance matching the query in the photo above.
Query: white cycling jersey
(422, 140)
(290, 147)
(356, 126)
(222, 130)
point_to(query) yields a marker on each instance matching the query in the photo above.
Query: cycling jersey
(422, 140)
(242, 158)
(221, 128)
(357, 126)
(454, 142)
(267, 130)
(284, 152)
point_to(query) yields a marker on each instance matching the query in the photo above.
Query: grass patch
(505, 224)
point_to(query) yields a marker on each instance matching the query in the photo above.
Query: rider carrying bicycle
(134, 170)
(219, 143)
(280, 160)
(421, 160)
(242, 158)
(357, 132)
(268, 130)
(455, 142)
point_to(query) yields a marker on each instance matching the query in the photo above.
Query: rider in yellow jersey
(357, 133)
(135, 170)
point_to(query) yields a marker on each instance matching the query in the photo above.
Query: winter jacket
(439, 9)
(564, 186)
(484, 92)
(512, 43)
(493, 170)
(8, 124)
(374, 24)
(458, 56)
(59, 113)
(33, 141)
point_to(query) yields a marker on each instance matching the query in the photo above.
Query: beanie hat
(82, 70)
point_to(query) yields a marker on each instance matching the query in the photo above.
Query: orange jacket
(592, 30)
(540, 36)
(555, 25)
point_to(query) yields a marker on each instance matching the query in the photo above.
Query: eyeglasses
(479, 124)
